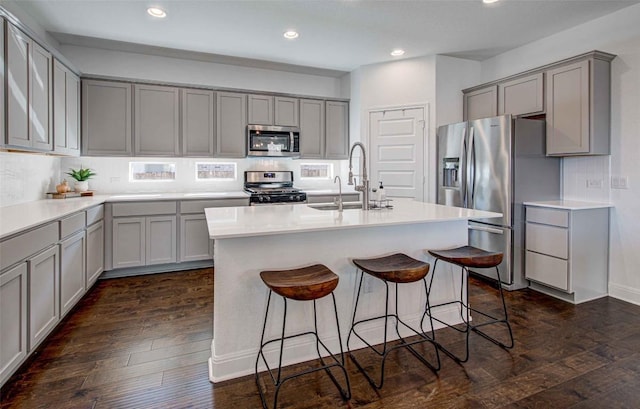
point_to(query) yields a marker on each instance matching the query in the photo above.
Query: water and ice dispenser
(451, 172)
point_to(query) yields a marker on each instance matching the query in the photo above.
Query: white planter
(81, 186)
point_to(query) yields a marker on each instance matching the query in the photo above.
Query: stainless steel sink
(333, 206)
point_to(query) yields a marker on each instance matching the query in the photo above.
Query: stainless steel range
(272, 187)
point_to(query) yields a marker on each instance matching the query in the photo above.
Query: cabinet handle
(487, 229)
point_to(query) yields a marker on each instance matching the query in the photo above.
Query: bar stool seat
(468, 257)
(301, 284)
(397, 269)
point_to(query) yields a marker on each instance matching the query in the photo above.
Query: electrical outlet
(619, 182)
(594, 183)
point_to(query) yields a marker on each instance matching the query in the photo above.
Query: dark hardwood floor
(143, 342)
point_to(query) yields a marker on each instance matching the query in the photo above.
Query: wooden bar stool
(396, 268)
(301, 284)
(471, 257)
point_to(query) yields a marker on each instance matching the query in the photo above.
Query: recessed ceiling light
(397, 52)
(291, 34)
(489, 1)
(157, 12)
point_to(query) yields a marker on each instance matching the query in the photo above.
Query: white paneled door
(397, 146)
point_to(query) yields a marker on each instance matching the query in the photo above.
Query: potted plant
(81, 176)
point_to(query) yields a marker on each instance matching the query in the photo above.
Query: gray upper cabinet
(260, 109)
(337, 130)
(198, 122)
(17, 54)
(40, 99)
(522, 96)
(231, 126)
(578, 107)
(106, 118)
(29, 99)
(481, 103)
(157, 120)
(312, 125)
(66, 110)
(286, 111)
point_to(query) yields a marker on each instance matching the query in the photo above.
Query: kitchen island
(248, 240)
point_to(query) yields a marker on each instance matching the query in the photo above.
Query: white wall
(617, 33)
(398, 83)
(25, 177)
(95, 61)
(452, 76)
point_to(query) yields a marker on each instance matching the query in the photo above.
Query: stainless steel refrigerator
(496, 164)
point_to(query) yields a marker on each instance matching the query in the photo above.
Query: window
(152, 172)
(215, 171)
(316, 170)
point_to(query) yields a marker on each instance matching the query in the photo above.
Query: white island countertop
(230, 222)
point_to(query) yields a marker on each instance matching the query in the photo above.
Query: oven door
(273, 141)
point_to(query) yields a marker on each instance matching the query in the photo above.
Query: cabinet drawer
(550, 240)
(547, 270)
(72, 224)
(548, 216)
(143, 208)
(198, 206)
(26, 244)
(95, 214)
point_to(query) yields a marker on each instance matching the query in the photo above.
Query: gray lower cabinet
(567, 252)
(160, 240)
(128, 242)
(13, 319)
(95, 253)
(72, 271)
(481, 103)
(312, 125)
(194, 238)
(198, 122)
(66, 110)
(231, 126)
(522, 96)
(260, 109)
(337, 130)
(44, 308)
(157, 120)
(106, 118)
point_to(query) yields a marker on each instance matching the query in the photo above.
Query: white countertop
(569, 204)
(229, 222)
(16, 218)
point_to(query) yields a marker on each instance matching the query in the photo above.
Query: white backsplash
(25, 177)
(113, 174)
(582, 175)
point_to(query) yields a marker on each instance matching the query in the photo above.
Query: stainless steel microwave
(278, 141)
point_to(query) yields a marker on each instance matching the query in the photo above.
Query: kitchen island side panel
(240, 297)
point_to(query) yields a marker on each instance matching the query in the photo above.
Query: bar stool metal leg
(384, 353)
(278, 381)
(464, 315)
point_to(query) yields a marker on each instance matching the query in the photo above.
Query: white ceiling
(334, 34)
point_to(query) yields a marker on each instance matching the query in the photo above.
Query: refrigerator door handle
(463, 168)
(486, 228)
(471, 171)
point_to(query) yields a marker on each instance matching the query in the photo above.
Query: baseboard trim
(624, 293)
(155, 269)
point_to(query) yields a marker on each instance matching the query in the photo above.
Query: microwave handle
(291, 141)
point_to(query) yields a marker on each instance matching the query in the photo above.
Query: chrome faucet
(364, 186)
(337, 179)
